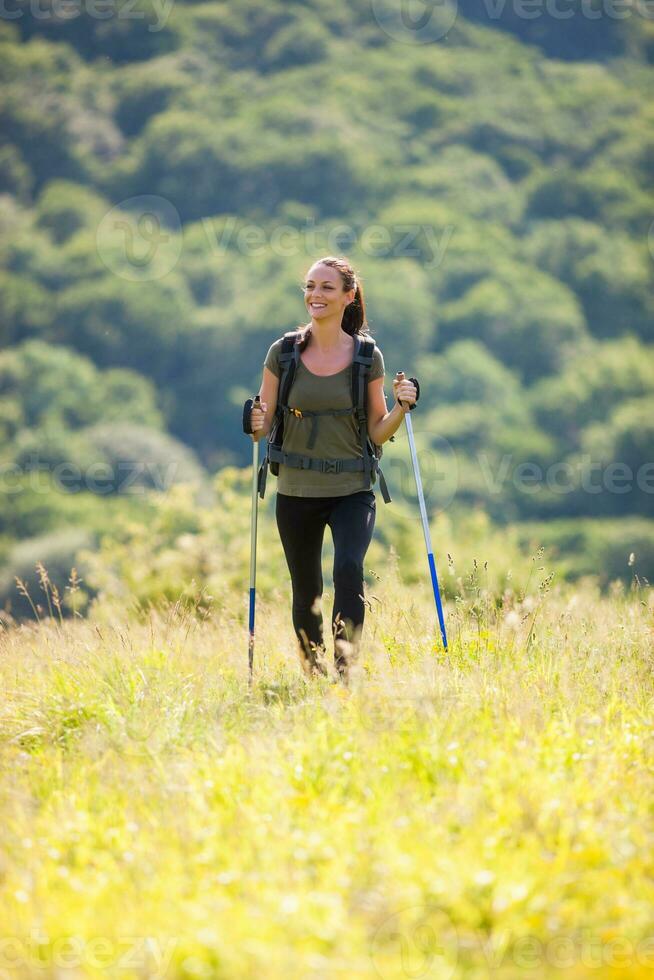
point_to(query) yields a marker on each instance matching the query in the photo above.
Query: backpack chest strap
(302, 414)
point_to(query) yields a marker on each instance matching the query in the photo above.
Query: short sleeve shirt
(337, 435)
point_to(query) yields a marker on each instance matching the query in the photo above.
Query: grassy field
(486, 813)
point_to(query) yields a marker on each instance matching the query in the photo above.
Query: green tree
(53, 384)
(25, 308)
(15, 175)
(612, 275)
(127, 324)
(591, 386)
(528, 320)
(63, 208)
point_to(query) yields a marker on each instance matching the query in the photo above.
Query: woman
(308, 500)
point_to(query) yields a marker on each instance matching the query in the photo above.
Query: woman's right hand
(257, 419)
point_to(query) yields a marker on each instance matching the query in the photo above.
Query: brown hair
(354, 314)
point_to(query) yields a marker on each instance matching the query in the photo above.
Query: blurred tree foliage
(168, 173)
(572, 31)
(58, 552)
(42, 383)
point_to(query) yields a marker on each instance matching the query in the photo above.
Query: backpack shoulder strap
(364, 349)
(289, 356)
(361, 364)
(288, 361)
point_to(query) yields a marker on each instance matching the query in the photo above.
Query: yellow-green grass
(485, 813)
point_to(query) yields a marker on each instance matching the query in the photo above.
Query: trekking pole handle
(253, 554)
(247, 413)
(400, 376)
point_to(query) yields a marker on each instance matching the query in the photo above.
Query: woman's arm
(382, 424)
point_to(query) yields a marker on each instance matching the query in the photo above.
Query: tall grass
(485, 812)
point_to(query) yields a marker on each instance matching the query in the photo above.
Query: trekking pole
(253, 550)
(425, 523)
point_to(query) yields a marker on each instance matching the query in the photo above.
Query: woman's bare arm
(382, 424)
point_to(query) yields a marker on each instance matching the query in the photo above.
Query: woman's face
(323, 292)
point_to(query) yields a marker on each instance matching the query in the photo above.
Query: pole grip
(400, 377)
(247, 413)
(253, 554)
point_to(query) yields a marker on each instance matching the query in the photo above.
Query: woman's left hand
(404, 391)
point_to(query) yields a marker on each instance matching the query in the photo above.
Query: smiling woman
(322, 401)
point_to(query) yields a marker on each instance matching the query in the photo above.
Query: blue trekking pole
(253, 534)
(253, 558)
(423, 515)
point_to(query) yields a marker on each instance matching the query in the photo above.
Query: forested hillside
(167, 172)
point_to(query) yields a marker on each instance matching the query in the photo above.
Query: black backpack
(288, 361)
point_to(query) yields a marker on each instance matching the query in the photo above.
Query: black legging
(301, 522)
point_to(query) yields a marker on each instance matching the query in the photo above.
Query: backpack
(288, 361)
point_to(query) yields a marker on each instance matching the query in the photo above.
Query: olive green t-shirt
(337, 435)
